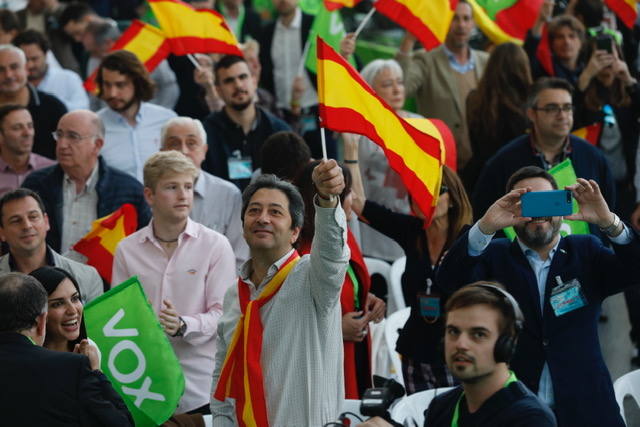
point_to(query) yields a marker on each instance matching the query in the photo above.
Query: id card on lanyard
(567, 297)
(429, 304)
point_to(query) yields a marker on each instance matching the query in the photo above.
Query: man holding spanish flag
(279, 348)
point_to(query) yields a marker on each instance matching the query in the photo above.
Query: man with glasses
(550, 111)
(82, 187)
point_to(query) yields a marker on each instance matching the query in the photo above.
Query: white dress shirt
(66, 86)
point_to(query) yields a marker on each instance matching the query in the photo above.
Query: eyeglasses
(555, 108)
(73, 137)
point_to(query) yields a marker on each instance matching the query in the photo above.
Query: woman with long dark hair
(424, 243)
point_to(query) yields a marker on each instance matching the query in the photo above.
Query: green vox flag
(327, 25)
(565, 175)
(137, 357)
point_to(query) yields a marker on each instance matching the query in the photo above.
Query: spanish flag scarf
(241, 375)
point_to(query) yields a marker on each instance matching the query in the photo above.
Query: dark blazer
(266, 41)
(588, 162)
(41, 387)
(569, 343)
(114, 188)
(512, 406)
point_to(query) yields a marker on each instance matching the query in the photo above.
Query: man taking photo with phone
(560, 283)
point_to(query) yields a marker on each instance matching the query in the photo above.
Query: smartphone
(604, 42)
(547, 203)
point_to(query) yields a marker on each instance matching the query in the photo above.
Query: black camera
(376, 401)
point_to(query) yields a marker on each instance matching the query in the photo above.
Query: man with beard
(64, 84)
(482, 327)
(560, 283)
(235, 134)
(550, 111)
(132, 125)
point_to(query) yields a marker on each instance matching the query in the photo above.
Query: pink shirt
(10, 180)
(195, 279)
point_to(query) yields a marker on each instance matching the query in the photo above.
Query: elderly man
(216, 202)
(82, 187)
(16, 141)
(45, 109)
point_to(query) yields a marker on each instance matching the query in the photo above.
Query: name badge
(429, 305)
(239, 168)
(567, 297)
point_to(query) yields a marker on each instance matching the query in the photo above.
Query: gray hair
(182, 120)
(103, 30)
(373, 68)
(14, 49)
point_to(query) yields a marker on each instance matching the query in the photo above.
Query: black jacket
(512, 406)
(41, 387)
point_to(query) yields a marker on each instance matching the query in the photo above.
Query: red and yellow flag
(427, 20)
(543, 53)
(589, 133)
(348, 104)
(332, 5)
(627, 10)
(99, 245)
(145, 41)
(505, 21)
(194, 31)
(241, 375)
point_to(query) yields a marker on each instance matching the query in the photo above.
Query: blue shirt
(127, 147)
(460, 68)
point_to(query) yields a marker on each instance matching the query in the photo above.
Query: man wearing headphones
(482, 327)
(560, 283)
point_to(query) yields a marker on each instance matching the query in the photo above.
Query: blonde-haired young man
(185, 269)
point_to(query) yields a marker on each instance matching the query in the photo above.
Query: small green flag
(137, 357)
(565, 175)
(329, 26)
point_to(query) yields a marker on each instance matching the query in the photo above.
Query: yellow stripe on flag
(146, 43)
(386, 124)
(435, 14)
(179, 20)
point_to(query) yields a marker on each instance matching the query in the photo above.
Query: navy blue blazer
(114, 189)
(569, 344)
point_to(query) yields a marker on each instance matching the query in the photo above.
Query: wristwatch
(181, 329)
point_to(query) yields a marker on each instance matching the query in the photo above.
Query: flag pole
(324, 144)
(364, 22)
(305, 52)
(193, 60)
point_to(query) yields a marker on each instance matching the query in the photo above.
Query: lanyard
(456, 413)
(356, 286)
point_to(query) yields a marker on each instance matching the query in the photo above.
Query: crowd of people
(250, 246)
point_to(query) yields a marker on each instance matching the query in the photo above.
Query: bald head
(79, 138)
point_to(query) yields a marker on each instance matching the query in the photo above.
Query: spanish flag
(145, 41)
(505, 21)
(348, 104)
(589, 133)
(627, 10)
(332, 5)
(99, 245)
(428, 20)
(194, 31)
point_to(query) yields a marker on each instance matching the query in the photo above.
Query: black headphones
(506, 344)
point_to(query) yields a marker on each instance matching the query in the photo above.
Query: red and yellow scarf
(241, 375)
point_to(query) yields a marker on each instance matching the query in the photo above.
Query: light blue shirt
(127, 147)
(66, 86)
(478, 242)
(460, 68)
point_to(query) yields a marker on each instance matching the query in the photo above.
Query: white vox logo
(143, 393)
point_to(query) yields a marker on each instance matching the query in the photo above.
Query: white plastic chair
(395, 299)
(410, 409)
(628, 384)
(208, 420)
(353, 406)
(380, 362)
(378, 266)
(394, 322)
